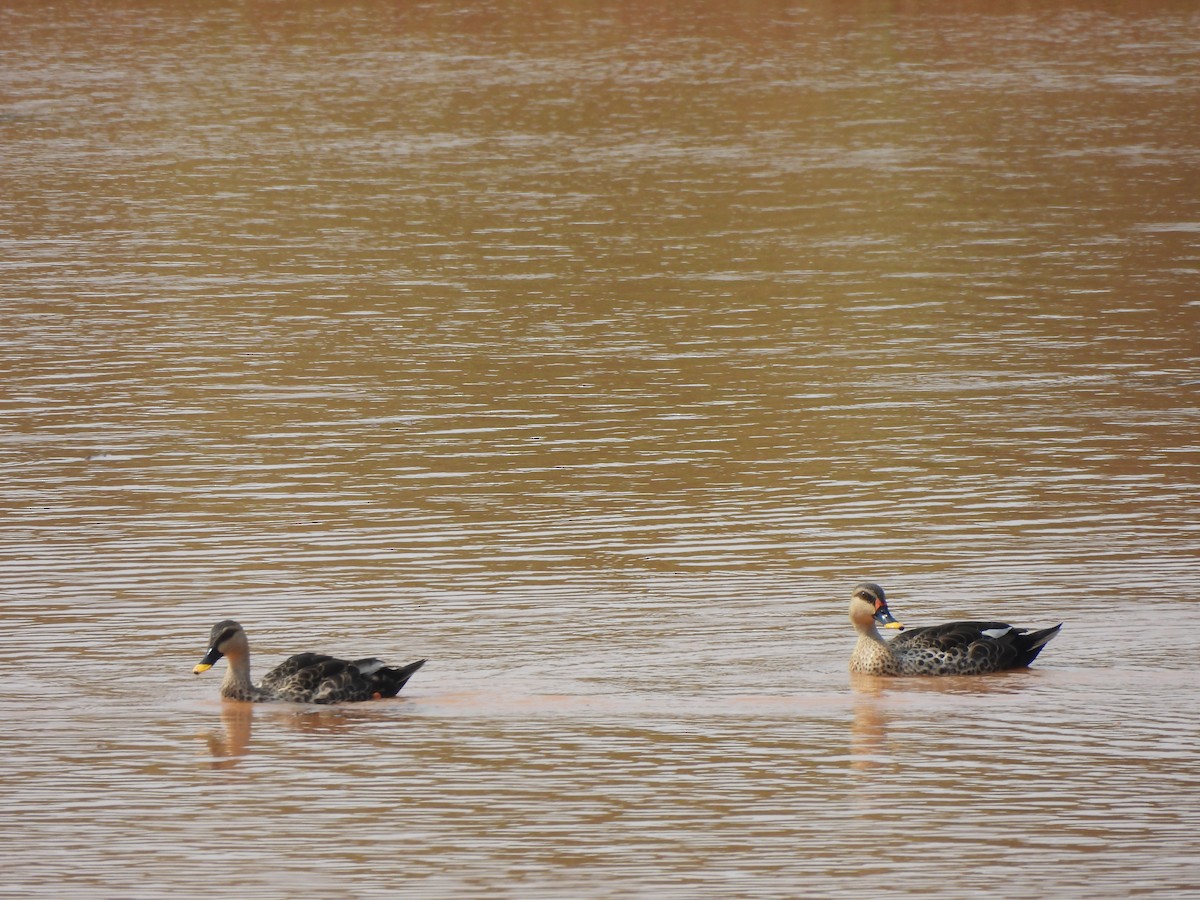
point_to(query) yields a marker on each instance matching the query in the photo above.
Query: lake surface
(595, 352)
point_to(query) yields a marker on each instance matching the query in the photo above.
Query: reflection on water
(596, 354)
(876, 700)
(230, 744)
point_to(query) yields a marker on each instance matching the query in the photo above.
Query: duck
(955, 648)
(303, 678)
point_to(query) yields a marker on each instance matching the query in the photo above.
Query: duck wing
(316, 678)
(989, 646)
(293, 666)
(311, 677)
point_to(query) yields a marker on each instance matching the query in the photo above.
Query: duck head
(868, 604)
(226, 639)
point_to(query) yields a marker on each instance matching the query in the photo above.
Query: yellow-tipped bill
(209, 660)
(884, 616)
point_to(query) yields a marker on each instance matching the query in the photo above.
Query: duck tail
(388, 681)
(1036, 640)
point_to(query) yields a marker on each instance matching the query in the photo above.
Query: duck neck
(872, 655)
(237, 684)
(867, 631)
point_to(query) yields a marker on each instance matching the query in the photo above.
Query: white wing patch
(996, 633)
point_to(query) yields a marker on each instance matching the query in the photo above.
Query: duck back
(968, 648)
(317, 678)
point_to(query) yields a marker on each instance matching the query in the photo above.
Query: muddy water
(595, 354)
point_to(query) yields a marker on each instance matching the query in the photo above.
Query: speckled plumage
(303, 678)
(955, 648)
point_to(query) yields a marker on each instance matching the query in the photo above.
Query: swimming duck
(303, 678)
(956, 648)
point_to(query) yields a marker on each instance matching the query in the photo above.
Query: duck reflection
(230, 744)
(1010, 682)
(868, 731)
(879, 699)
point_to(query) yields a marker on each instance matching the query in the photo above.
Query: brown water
(595, 352)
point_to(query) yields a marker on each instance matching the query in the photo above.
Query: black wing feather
(317, 678)
(1016, 648)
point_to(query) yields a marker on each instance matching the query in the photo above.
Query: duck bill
(884, 617)
(207, 663)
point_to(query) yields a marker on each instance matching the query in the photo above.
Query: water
(595, 353)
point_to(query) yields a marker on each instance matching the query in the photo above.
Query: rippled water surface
(595, 352)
